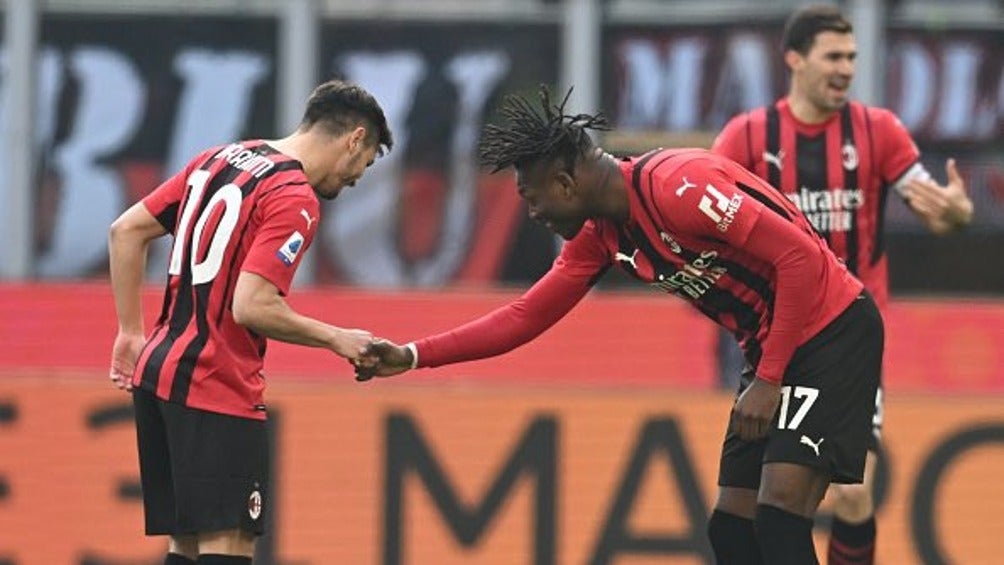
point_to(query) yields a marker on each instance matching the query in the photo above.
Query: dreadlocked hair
(532, 135)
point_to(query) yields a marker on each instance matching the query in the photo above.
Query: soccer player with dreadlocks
(697, 225)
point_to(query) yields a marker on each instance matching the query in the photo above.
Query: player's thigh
(187, 546)
(220, 467)
(227, 542)
(737, 501)
(792, 487)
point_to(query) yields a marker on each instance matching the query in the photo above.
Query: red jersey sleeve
(895, 151)
(287, 224)
(575, 270)
(733, 141)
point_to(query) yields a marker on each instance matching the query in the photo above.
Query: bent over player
(242, 216)
(837, 160)
(694, 224)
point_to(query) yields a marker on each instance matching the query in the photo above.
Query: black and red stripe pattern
(735, 289)
(197, 355)
(837, 172)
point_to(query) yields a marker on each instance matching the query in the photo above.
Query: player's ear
(793, 59)
(357, 139)
(567, 183)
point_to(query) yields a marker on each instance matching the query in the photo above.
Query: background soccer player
(697, 225)
(241, 216)
(836, 160)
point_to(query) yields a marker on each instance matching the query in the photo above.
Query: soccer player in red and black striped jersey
(697, 225)
(837, 160)
(242, 215)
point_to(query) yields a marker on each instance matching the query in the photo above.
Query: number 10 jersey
(242, 207)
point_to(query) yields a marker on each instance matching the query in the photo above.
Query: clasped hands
(381, 358)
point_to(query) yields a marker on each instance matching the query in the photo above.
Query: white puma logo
(306, 216)
(813, 444)
(630, 259)
(686, 184)
(773, 159)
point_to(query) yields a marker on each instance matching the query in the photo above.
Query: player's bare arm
(259, 306)
(942, 208)
(128, 240)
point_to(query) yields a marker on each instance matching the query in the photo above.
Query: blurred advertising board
(398, 474)
(126, 99)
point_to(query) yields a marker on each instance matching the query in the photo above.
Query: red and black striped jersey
(242, 207)
(701, 227)
(837, 172)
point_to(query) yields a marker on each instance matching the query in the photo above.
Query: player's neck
(298, 147)
(613, 201)
(289, 146)
(805, 111)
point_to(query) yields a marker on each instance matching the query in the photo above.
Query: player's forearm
(127, 264)
(508, 327)
(494, 334)
(271, 317)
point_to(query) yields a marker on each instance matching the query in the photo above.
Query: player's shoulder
(685, 169)
(750, 117)
(736, 131)
(204, 156)
(288, 186)
(877, 115)
(656, 165)
(689, 159)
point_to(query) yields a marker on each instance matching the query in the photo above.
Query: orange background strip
(63, 474)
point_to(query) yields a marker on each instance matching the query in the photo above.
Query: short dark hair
(534, 136)
(806, 23)
(340, 106)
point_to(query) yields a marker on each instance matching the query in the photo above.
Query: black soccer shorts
(200, 471)
(828, 403)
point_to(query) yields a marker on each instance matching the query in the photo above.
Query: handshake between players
(383, 358)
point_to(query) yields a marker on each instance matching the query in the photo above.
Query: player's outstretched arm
(384, 358)
(941, 208)
(259, 306)
(128, 240)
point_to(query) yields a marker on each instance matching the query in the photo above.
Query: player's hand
(383, 358)
(125, 353)
(351, 344)
(753, 414)
(944, 207)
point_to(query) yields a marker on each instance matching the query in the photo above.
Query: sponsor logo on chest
(830, 210)
(694, 278)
